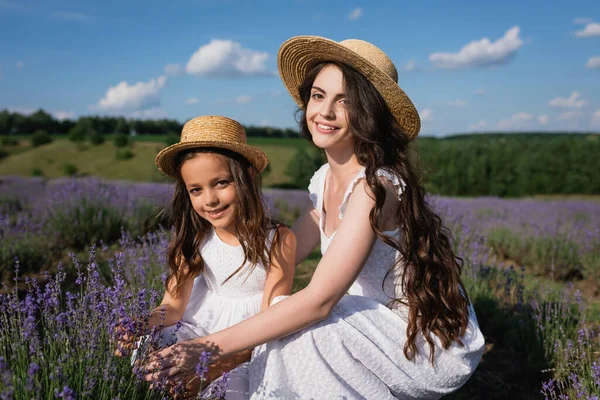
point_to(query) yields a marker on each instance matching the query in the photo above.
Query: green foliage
(78, 133)
(37, 172)
(3, 153)
(31, 250)
(40, 138)
(555, 256)
(121, 126)
(171, 138)
(10, 204)
(124, 154)
(8, 141)
(69, 169)
(511, 165)
(87, 222)
(147, 216)
(121, 140)
(302, 167)
(96, 138)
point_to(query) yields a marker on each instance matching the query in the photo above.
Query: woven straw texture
(297, 55)
(210, 131)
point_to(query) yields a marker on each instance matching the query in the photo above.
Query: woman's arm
(335, 273)
(280, 274)
(306, 229)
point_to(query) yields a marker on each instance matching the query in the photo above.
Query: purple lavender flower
(220, 388)
(202, 366)
(66, 393)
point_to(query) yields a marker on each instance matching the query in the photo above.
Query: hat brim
(166, 158)
(299, 54)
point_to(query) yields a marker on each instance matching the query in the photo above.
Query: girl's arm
(169, 312)
(306, 229)
(335, 273)
(280, 274)
(171, 308)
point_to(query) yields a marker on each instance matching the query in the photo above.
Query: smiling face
(212, 190)
(326, 111)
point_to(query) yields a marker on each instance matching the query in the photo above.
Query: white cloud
(458, 103)
(425, 114)
(570, 115)
(591, 29)
(71, 16)
(479, 125)
(136, 97)
(150, 113)
(593, 63)
(516, 120)
(62, 115)
(19, 64)
(22, 111)
(265, 122)
(479, 92)
(543, 119)
(191, 100)
(172, 69)
(355, 14)
(226, 59)
(481, 53)
(596, 118)
(582, 21)
(410, 66)
(573, 101)
(243, 99)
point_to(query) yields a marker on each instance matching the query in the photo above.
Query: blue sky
(467, 66)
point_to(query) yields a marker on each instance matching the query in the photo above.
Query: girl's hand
(126, 334)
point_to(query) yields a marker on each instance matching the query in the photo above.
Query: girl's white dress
(357, 352)
(214, 305)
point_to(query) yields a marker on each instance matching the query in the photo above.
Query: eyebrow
(215, 180)
(343, 94)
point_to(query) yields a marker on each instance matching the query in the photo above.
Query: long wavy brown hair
(430, 270)
(190, 230)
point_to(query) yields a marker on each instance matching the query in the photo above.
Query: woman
(385, 314)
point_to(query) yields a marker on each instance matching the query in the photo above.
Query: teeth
(329, 128)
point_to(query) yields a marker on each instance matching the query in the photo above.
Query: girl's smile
(212, 191)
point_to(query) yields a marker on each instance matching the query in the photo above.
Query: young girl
(228, 260)
(385, 314)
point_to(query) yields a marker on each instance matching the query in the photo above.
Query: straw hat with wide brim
(210, 131)
(300, 53)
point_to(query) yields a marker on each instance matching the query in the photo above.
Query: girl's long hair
(252, 222)
(430, 270)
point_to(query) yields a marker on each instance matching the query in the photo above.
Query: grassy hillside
(101, 161)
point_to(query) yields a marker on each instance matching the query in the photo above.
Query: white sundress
(214, 305)
(357, 352)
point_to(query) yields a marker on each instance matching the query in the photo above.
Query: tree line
(501, 164)
(511, 165)
(16, 123)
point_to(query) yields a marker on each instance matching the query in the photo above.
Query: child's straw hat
(299, 54)
(210, 131)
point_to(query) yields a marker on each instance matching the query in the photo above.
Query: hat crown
(213, 128)
(373, 54)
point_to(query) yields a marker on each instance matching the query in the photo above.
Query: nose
(210, 198)
(327, 110)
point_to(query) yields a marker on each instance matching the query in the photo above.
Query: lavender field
(531, 268)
